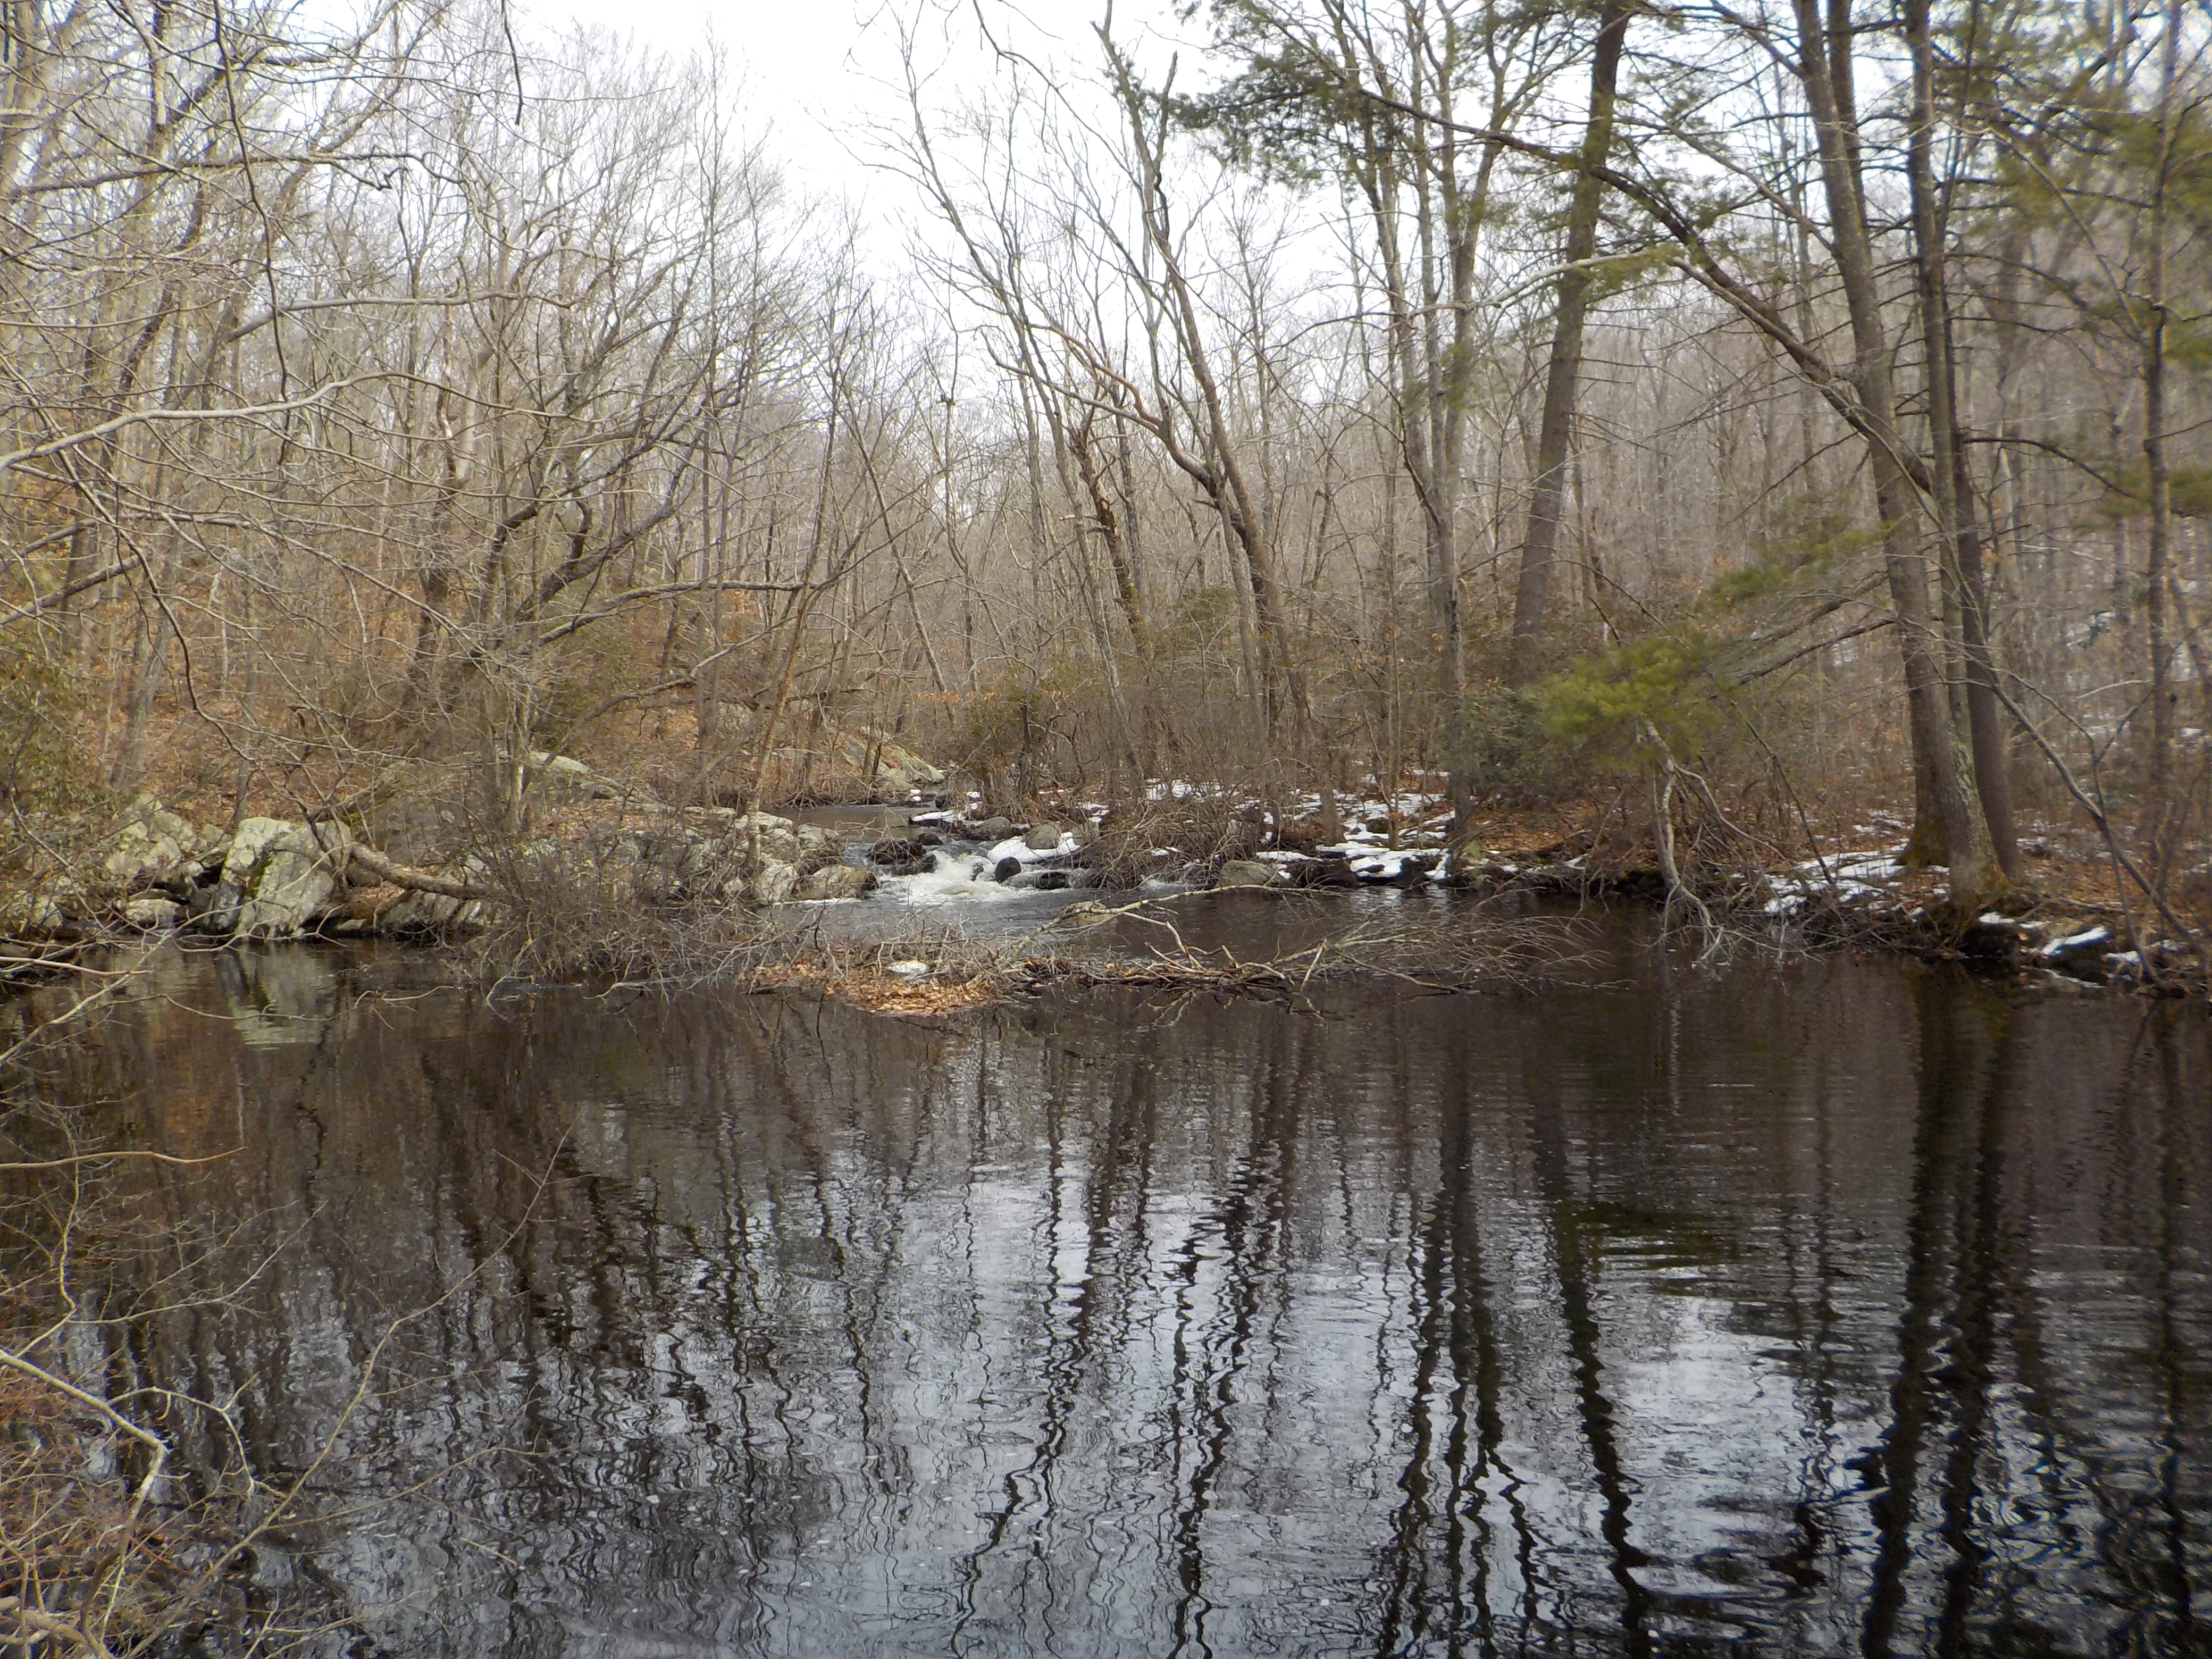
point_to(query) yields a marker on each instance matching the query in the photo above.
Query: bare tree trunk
(1532, 596)
(2155, 459)
(1108, 522)
(1232, 492)
(1957, 527)
(1958, 830)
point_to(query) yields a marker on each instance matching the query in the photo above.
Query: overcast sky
(816, 71)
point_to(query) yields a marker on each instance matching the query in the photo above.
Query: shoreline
(613, 886)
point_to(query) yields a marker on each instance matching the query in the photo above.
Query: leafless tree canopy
(1548, 396)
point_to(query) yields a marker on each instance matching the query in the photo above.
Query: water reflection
(1853, 1309)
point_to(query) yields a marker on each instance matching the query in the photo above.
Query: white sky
(815, 71)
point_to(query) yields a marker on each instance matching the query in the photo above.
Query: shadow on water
(1844, 1310)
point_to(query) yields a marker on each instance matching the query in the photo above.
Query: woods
(1555, 399)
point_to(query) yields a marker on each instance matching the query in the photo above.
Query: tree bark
(2156, 462)
(1532, 596)
(1950, 484)
(1939, 756)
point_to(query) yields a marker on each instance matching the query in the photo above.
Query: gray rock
(153, 848)
(32, 915)
(818, 848)
(418, 912)
(774, 884)
(901, 856)
(994, 828)
(153, 914)
(142, 858)
(562, 779)
(214, 909)
(1086, 833)
(1044, 838)
(248, 842)
(836, 881)
(2079, 950)
(284, 873)
(651, 884)
(157, 820)
(620, 847)
(762, 836)
(1245, 872)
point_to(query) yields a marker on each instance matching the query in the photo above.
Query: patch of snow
(2080, 941)
(1866, 866)
(1015, 846)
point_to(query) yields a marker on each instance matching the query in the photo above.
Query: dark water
(1843, 1309)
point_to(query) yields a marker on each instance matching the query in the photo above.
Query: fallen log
(399, 875)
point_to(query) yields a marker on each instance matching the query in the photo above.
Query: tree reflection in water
(1856, 1309)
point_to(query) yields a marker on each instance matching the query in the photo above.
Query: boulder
(154, 847)
(1043, 838)
(213, 909)
(818, 848)
(35, 912)
(762, 836)
(563, 780)
(836, 881)
(1331, 869)
(2078, 950)
(651, 884)
(152, 913)
(1245, 872)
(284, 873)
(996, 828)
(901, 856)
(1006, 868)
(774, 884)
(418, 912)
(141, 859)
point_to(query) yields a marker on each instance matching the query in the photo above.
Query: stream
(1835, 1307)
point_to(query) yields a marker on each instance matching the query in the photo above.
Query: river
(1839, 1307)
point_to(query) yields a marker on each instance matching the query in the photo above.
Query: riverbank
(611, 884)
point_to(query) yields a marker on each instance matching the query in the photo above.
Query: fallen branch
(399, 875)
